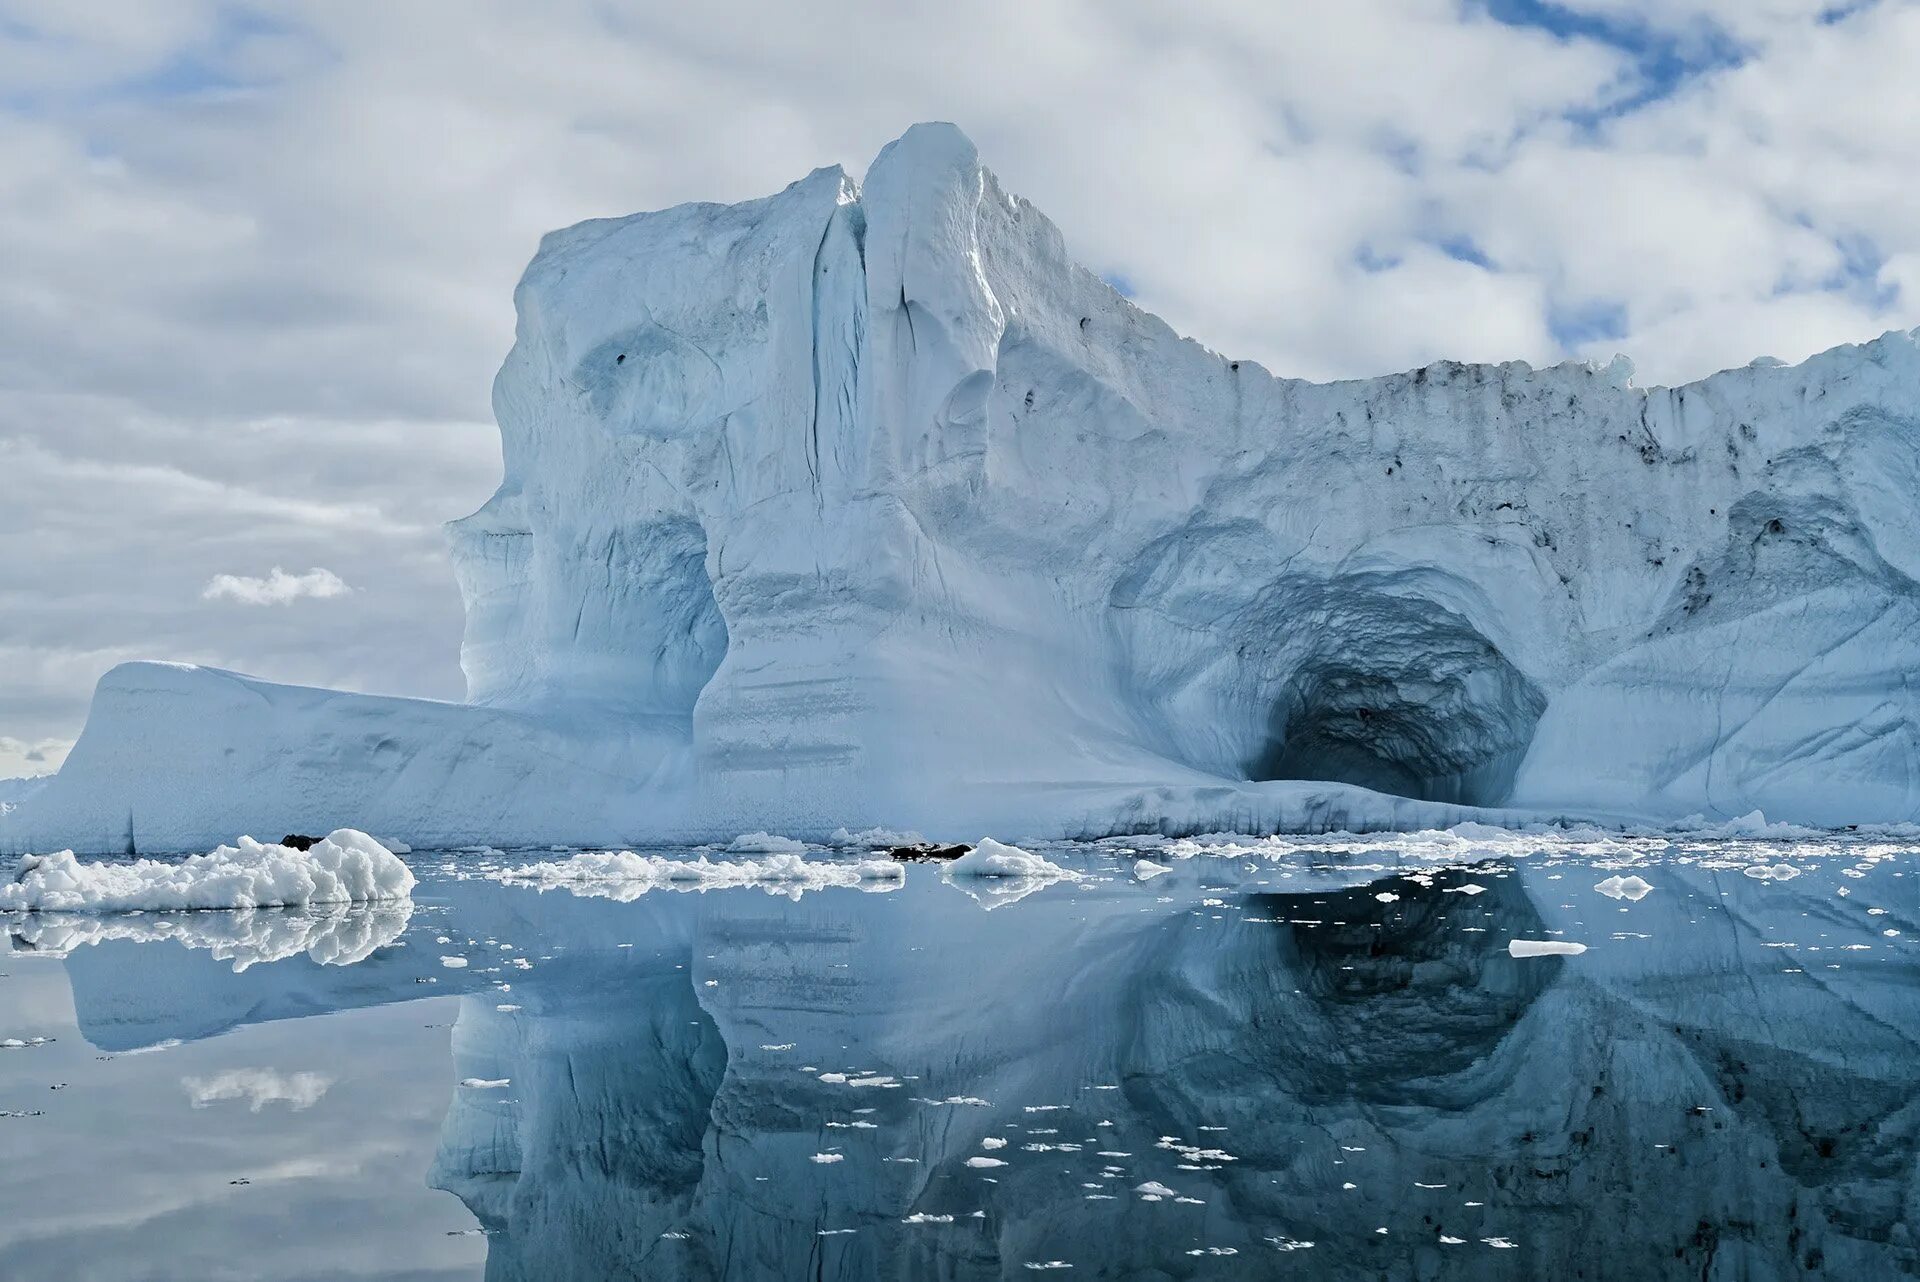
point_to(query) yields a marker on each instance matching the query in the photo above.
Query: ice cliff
(863, 504)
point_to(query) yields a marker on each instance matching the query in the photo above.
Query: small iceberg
(1544, 948)
(1629, 888)
(346, 867)
(990, 858)
(765, 843)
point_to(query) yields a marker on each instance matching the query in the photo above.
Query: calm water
(1327, 1065)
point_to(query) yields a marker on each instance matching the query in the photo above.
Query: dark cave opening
(1401, 695)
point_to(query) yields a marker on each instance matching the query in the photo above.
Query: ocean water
(1372, 1059)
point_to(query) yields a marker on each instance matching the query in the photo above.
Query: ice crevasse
(863, 504)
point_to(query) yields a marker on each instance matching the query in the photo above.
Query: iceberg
(863, 505)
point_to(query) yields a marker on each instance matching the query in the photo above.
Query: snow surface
(863, 504)
(347, 867)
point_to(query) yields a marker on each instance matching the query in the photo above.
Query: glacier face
(864, 504)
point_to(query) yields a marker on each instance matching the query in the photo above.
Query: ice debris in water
(1544, 948)
(990, 858)
(1771, 872)
(1632, 888)
(1146, 869)
(765, 843)
(346, 867)
(626, 875)
(874, 839)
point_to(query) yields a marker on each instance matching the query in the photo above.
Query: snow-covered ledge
(864, 504)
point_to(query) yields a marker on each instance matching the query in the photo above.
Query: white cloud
(276, 588)
(259, 1087)
(26, 758)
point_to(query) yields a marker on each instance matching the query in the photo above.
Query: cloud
(277, 588)
(262, 256)
(259, 1087)
(26, 758)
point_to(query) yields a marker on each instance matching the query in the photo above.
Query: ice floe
(346, 867)
(990, 858)
(624, 875)
(1544, 948)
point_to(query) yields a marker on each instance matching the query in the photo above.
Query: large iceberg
(862, 504)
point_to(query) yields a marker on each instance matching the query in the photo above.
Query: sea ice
(346, 867)
(1633, 888)
(626, 875)
(990, 858)
(1544, 948)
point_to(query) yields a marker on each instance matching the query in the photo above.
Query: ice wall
(864, 504)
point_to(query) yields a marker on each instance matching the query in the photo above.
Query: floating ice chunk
(921, 1217)
(623, 875)
(1618, 887)
(765, 843)
(1771, 872)
(992, 1142)
(982, 1163)
(827, 1158)
(1470, 888)
(874, 839)
(1154, 1188)
(1147, 870)
(346, 867)
(990, 858)
(1544, 948)
(1387, 897)
(454, 963)
(485, 1083)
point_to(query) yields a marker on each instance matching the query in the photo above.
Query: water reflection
(1341, 1076)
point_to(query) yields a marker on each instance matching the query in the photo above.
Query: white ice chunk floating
(626, 875)
(990, 858)
(1633, 888)
(1544, 948)
(765, 843)
(346, 867)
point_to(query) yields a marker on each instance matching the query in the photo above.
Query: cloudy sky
(258, 259)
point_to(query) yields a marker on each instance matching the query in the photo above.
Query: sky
(259, 259)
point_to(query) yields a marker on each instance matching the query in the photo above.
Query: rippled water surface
(1278, 1060)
